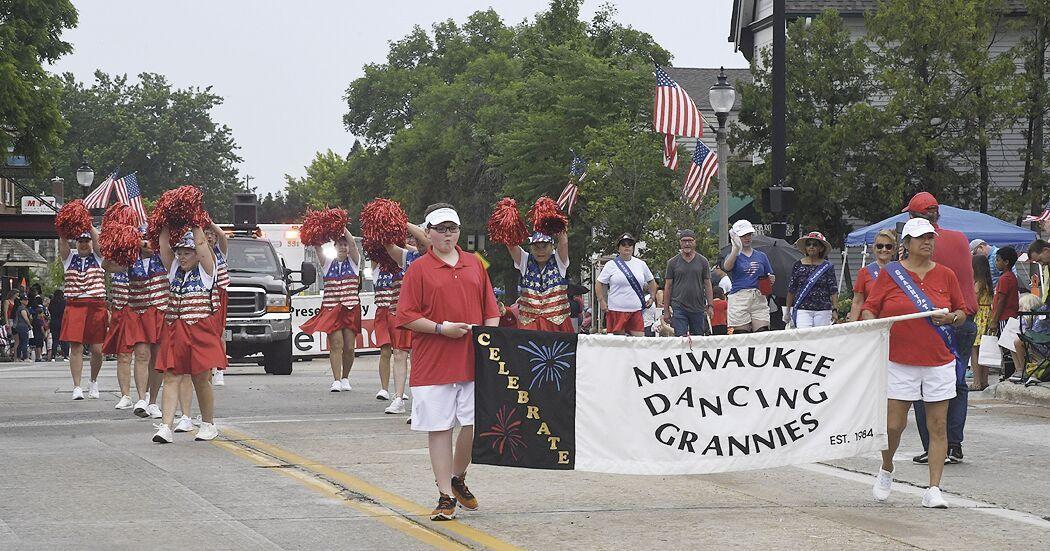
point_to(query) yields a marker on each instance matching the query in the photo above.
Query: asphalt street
(298, 467)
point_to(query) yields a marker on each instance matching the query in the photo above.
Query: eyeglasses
(814, 244)
(884, 246)
(445, 229)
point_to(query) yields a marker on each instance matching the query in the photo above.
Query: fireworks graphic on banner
(506, 432)
(548, 362)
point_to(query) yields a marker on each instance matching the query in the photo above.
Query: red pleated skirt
(189, 349)
(224, 302)
(333, 318)
(84, 321)
(152, 322)
(543, 324)
(387, 331)
(123, 333)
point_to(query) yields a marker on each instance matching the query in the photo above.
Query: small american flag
(673, 110)
(670, 152)
(1040, 218)
(697, 180)
(578, 170)
(99, 198)
(128, 192)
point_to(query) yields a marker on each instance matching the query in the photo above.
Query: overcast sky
(283, 66)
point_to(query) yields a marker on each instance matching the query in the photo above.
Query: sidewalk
(1036, 395)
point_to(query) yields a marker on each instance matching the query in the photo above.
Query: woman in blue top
(813, 290)
(748, 307)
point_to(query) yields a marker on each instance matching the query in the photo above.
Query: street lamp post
(85, 176)
(722, 97)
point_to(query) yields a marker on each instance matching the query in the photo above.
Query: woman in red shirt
(921, 365)
(885, 251)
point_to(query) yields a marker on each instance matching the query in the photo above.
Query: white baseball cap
(918, 227)
(742, 228)
(442, 215)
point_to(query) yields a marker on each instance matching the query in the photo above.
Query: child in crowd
(982, 286)
(1005, 301)
(719, 320)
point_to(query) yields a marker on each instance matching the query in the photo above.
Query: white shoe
(344, 383)
(78, 393)
(140, 408)
(932, 498)
(382, 394)
(184, 424)
(397, 406)
(197, 421)
(336, 386)
(883, 485)
(124, 403)
(207, 432)
(153, 410)
(164, 434)
(93, 390)
(216, 379)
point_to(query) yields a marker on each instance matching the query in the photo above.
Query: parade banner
(684, 405)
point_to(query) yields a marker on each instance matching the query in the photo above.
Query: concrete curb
(1036, 395)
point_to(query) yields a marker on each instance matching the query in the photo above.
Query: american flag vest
(544, 293)
(222, 273)
(84, 277)
(119, 290)
(340, 285)
(388, 285)
(190, 300)
(149, 284)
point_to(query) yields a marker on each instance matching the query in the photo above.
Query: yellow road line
(388, 508)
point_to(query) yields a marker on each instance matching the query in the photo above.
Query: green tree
(1035, 104)
(30, 35)
(165, 134)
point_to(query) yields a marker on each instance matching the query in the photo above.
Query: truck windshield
(250, 256)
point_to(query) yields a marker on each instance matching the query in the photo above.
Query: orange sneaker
(462, 493)
(446, 508)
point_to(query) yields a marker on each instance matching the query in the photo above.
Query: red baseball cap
(920, 202)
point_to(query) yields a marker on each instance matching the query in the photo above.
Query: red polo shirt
(916, 342)
(441, 292)
(952, 249)
(1006, 293)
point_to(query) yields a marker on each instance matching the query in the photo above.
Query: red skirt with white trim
(189, 349)
(124, 332)
(333, 318)
(387, 331)
(543, 324)
(84, 321)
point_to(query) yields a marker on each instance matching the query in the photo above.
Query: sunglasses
(445, 229)
(814, 244)
(884, 246)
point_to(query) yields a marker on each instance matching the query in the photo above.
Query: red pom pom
(120, 243)
(154, 223)
(384, 221)
(546, 218)
(506, 225)
(183, 208)
(321, 226)
(376, 252)
(118, 213)
(72, 220)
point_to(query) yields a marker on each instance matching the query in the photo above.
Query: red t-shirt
(952, 249)
(1006, 293)
(440, 292)
(864, 282)
(721, 308)
(916, 342)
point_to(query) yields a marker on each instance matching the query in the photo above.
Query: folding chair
(1031, 339)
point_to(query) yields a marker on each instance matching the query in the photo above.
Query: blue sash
(873, 270)
(807, 288)
(630, 279)
(900, 276)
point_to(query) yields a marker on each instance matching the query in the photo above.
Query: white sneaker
(932, 498)
(124, 403)
(78, 393)
(382, 394)
(197, 421)
(164, 434)
(216, 379)
(207, 432)
(140, 408)
(154, 411)
(336, 386)
(93, 390)
(397, 406)
(883, 485)
(184, 424)
(344, 383)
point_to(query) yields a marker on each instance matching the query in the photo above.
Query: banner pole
(905, 317)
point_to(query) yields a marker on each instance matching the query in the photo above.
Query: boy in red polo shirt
(443, 294)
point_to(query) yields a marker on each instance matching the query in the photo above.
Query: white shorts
(813, 318)
(440, 407)
(915, 382)
(748, 306)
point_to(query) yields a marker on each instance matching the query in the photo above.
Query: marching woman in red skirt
(148, 284)
(190, 342)
(84, 321)
(122, 331)
(340, 315)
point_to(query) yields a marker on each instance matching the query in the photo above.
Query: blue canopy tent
(975, 225)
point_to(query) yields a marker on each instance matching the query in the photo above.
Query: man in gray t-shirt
(687, 289)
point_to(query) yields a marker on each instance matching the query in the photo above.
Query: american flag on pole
(578, 170)
(670, 152)
(697, 180)
(99, 198)
(673, 110)
(1040, 218)
(128, 192)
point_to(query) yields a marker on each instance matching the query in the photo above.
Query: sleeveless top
(544, 292)
(222, 272)
(388, 285)
(190, 296)
(84, 277)
(340, 284)
(149, 284)
(119, 290)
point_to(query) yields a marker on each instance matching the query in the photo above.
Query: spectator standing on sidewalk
(687, 289)
(57, 309)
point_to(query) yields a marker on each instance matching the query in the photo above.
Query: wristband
(437, 328)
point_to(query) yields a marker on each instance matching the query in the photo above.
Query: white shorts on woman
(918, 382)
(813, 318)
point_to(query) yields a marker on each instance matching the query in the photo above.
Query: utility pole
(779, 199)
(247, 182)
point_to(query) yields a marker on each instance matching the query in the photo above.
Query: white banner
(706, 405)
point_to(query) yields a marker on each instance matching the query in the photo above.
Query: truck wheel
(278, 358)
